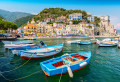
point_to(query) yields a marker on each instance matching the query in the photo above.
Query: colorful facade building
(30, 29)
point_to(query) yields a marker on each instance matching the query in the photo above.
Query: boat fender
(69, 71)
(83, 64)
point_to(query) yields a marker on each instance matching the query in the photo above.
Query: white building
(106, 28)
(91, 18)
(75, 16)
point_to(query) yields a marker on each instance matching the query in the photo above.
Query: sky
(95, 7)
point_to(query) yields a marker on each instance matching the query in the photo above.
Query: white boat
(10, 46)
(111, 40)
(107, 39)
(106, 43)
(73, 41)
(17, 42)
(41, 52)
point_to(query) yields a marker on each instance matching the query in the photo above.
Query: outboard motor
(42, 43)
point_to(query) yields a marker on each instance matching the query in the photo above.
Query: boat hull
(85, 42)
(51, 70)
(17, 42)
(73, 42)
(106, 45)
(26, 56)
(64, 73)
(19, 46)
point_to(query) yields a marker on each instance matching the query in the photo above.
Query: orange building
(30, 28)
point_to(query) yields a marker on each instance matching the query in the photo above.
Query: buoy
(83, 64)
(69, 71)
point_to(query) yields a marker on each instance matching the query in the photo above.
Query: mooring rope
(20, 77)
(61, 75)
(17, 67)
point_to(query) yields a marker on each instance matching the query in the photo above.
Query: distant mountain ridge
(22, 21)
(12, 16)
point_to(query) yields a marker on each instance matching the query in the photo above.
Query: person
(42, 44)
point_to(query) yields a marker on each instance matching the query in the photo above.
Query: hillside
(12, 16)
(1, 18)
(22, 21)
(56, 12)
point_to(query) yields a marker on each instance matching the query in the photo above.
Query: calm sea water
(104, 65)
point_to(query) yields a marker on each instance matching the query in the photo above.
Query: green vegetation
(89, 26)
(4, 25)
(2, 31)
(57, 12)
(12, 16)
(76, 21)
(97, 21)
(23, 20)
(1, 18)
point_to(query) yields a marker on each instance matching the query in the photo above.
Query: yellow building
(30, 29)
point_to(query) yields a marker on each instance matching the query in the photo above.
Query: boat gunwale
(42, 48)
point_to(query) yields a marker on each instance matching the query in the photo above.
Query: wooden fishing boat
(17, 51)
(85, 42)
(73, 41)
(42, 52)
(106, 43)
(17, 46)
(17, 42)
(66, 64)
(111, 40)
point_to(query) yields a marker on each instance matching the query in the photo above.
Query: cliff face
(106, 28)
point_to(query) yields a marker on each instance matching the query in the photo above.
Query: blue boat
(41, 52)
(17, 51)
(66, 64)
(85, 42)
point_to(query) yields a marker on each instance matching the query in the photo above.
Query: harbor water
(104, 65)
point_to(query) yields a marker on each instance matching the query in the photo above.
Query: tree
(97, 21)
(5, 25)
(89, 26)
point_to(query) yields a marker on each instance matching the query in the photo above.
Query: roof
(30, 25)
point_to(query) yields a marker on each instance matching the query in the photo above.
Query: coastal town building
(106, 28)
(75, 16)
(61, 19)
(57, 28)
(30, 29)
(91, 18)
(49, 20)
